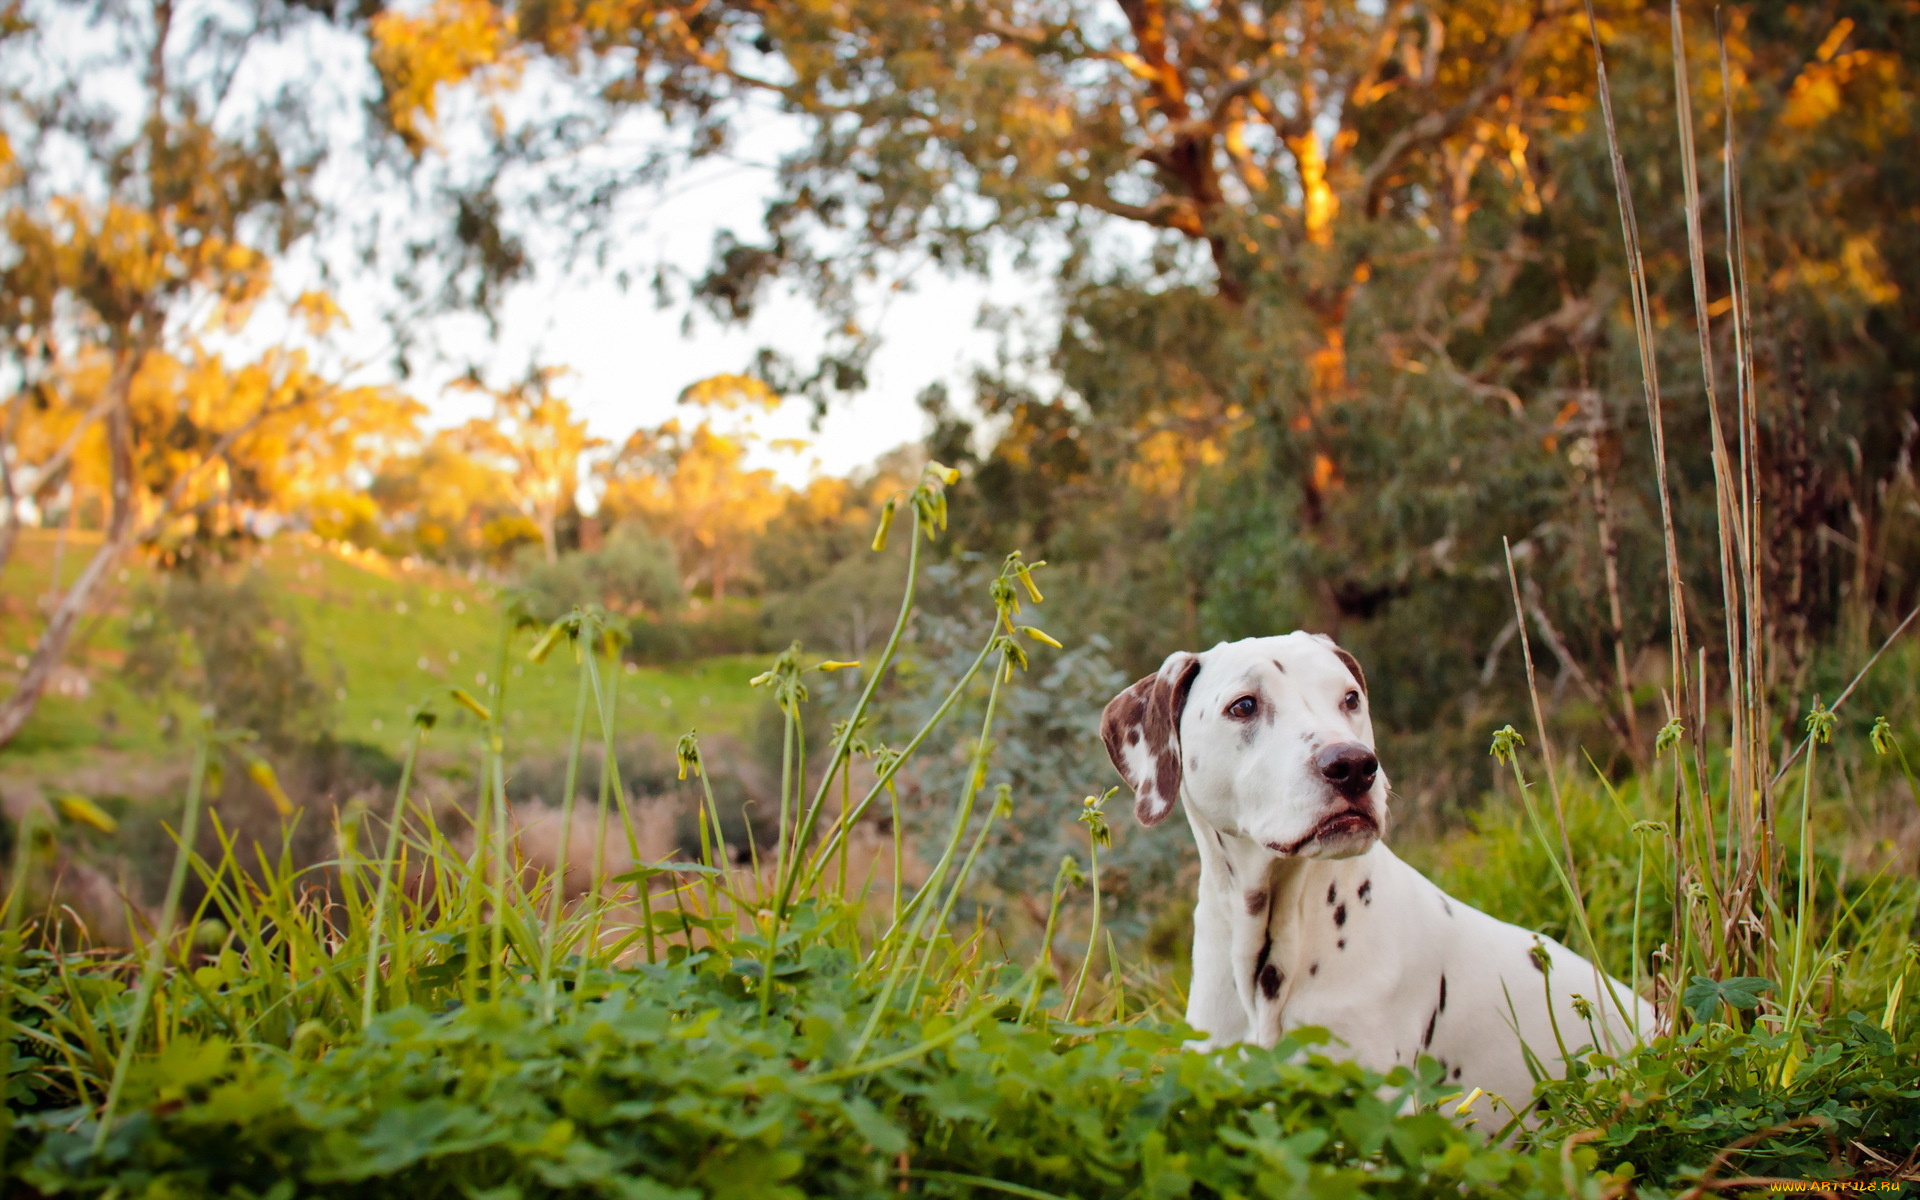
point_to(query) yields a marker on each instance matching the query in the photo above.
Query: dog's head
(1266, 738)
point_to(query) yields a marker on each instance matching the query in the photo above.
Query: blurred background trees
(1335, 304)
(1338, 297)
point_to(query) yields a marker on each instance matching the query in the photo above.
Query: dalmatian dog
(1304, 916)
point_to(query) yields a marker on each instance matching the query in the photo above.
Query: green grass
(379, 635)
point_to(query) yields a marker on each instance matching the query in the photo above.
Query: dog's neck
(1286, 910)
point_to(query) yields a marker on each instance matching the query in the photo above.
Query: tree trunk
(52, 646)
(10, 517)
(1326, 388)
(549, 539)
(9, 497)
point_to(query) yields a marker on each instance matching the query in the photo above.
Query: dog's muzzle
(1344, 824)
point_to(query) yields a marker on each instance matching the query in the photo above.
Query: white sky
(630, 359)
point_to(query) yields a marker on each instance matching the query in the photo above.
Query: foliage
(1338, 301)
(443, 1024)
(533, 449)
(1048, 748)
(693, 487)
(632, 573)
(481, 1036)
(218, 638)
(1851, 1082)
(693, 634)
(669, 1081)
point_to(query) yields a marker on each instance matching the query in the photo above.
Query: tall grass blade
(153, 965)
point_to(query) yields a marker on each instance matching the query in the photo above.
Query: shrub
(218, 639)
(734, 627)
(632, 572)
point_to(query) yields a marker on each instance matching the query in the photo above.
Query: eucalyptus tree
(157, 161)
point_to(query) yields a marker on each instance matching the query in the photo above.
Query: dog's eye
(1243, 708)
(1352, 702)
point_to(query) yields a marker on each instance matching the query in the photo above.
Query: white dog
(1304, 916)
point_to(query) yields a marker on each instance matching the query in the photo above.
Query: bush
(670, 1080)
(634, 572)
(734, 627)
(219, 640)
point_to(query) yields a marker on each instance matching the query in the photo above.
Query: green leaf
(1704, 996)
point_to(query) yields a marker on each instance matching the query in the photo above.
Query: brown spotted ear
(1352, 664)
(1141, 728)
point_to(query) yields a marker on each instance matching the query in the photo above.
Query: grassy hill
(379, 634)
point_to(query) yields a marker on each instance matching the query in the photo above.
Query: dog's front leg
(1214, 1004)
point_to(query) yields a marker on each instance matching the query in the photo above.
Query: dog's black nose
(1349, 767)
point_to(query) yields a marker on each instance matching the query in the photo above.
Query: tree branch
(1440, 124)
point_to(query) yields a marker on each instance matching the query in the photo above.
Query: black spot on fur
(1433, 1020)
(1332, 892)
(1340, 915)
(1366, 891)
(1260, 963)
(1456, 1072)
(1445, 907)
(1278, 667)
(1443, 994)
(1341, 944)
(1256, 902)
(1313, 969)
(1270, 980)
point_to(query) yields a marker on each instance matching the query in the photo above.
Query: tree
(439, 501)
(535, 448)
(692, 486)
(145, 200)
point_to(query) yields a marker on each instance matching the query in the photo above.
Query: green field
(380, 635)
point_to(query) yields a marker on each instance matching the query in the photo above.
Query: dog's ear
(1141, 728)
(1348, 660)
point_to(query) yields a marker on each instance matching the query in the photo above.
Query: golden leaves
(1820, 90)
(693, 487)
(454, 42)
(319, 311)
(730, 393)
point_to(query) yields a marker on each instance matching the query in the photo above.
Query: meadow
(377, 634)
